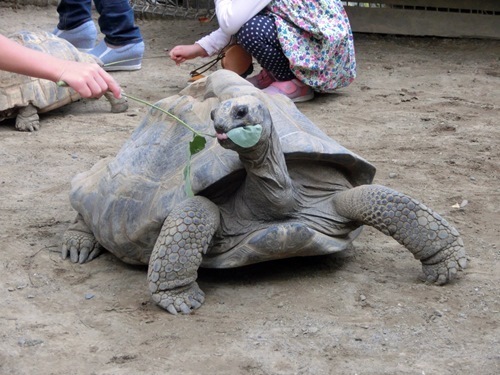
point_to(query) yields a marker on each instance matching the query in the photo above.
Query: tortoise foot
(180, 300)
(27, 119)
(444, 266)
(81, 247)
(117, 105)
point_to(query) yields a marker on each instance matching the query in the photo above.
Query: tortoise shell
(125, 199)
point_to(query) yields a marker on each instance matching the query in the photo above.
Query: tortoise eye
(240, 111)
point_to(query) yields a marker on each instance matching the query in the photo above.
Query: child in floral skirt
(302, 46)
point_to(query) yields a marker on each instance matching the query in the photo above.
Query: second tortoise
(23, 97)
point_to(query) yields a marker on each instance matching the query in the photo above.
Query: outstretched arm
(88, 79)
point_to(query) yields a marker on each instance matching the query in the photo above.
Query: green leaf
(197, 144)
(246, 136)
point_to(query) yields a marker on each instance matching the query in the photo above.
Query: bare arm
(88, 79)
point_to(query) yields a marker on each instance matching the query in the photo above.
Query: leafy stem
(64, 84)
(168, 113)
(195, 146)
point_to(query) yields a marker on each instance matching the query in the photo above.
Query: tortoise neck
(268, 185)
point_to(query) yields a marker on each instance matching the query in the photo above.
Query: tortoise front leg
(177, 255)
(429, 237)
(79, 242)
(27, 119)
(117, 105)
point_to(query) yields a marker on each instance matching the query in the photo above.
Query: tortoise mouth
(221, 136)
(224, 140)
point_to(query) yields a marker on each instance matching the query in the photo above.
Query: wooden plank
(423, 23)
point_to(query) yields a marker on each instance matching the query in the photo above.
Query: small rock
(393, 175)
(23, 342)
(89, 295)
(310, 330)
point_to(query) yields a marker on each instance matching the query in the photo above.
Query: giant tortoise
(24, 97)
(289, 191)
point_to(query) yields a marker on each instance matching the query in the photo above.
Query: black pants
(260, 38)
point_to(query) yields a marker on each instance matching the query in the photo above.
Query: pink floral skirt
(316, 37)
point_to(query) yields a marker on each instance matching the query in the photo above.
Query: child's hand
(186, 52)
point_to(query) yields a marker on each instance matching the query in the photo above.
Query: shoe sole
(115, 68)
(304, 98)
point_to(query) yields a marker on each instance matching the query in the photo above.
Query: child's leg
(260, 38)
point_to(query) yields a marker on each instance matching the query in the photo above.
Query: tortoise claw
(81, 247)
(171, 309)
(182, 300)
(444, 266)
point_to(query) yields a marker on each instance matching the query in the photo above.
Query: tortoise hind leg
(177, 255)
(428, 236)
(79, 242)
(27, 119)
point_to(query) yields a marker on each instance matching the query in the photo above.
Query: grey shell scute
(17, 90)
(125, 199)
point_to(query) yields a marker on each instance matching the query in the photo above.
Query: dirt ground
(425, 111)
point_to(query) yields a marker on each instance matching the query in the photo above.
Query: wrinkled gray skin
(282, 206)
(24, 97)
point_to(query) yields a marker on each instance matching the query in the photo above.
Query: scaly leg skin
(79, 242)
(428, 236)
(177, 255)
(27, 119)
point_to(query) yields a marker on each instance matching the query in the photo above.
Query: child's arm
(233, 14)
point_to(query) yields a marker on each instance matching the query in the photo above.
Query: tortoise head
(241, 123)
